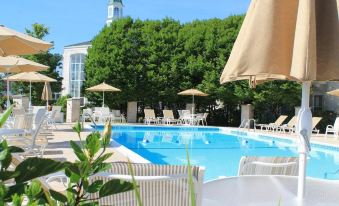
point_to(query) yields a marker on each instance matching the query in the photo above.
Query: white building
(74, 56)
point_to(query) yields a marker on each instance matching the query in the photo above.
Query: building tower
(114, 11)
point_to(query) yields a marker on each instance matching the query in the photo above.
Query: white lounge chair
(334, 129)
(150, 117)
(164, 185)
(116, 116)
(268, 166)
(202, 118)
(290, 126)
(273, 126)
(169, 117)
(315, 122)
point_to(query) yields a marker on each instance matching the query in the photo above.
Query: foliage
(5, 116)
(328, 118)
(62, 101)
(52, 60)
(151, 61)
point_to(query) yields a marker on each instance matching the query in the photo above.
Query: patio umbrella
(103, 87)
(288, 40)
(30, 77)
(16, 43)
(334, 92)
(192, 92)
(46, 93)
(13, 64)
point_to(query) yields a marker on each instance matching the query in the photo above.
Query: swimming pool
(218, 151)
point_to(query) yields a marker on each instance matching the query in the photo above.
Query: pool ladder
(91, 118)
(247, 124)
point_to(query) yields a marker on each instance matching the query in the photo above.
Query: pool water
(217, 151)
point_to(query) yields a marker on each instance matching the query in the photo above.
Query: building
(322, 101)
(74, 56)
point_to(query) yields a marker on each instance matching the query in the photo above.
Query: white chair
(334, 129)
(169, 117)
(116, 116)
(275, 125)
(268, 166)
(202, 118)
(150, 117)
(165, 185)
(87, 114)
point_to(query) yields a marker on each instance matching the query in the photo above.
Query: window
(110, 11)
(77, 74)
(317, 102)
(116, 12)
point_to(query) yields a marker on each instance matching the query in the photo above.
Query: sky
(74, 21)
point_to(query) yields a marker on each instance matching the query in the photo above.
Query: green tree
(52, 60)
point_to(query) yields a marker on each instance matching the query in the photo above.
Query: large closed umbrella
(288, 40)
(46, 93)
(13, 64)
(193, 92)
(30, 77)
(16, 43)
(103, 87)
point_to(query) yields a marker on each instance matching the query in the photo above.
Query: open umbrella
(16, 43)
(13, 64)
(288, 40)
(30, 77)
(103, 87)
(192, 92)
(334, 92)
(46, 93)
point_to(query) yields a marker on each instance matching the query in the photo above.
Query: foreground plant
(91, 155)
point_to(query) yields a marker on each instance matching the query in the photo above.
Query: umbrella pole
(8, 104)
(30, 94)
(103, 99)
(304, 129)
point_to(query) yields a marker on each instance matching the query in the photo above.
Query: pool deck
(59, 148)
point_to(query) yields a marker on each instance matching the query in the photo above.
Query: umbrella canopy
(14, 64)
(16, 43)
(103, 87)
(334, 92)
(30, 77)
(46, 92)
(192, 92)
(296, 40)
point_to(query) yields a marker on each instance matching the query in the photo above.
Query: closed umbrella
(193, 92)
(103, 87)
(13, 64)
(16, 43)
(288, 40)
(46, 93)
(30, 77)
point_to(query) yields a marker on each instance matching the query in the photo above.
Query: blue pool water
(219, 153)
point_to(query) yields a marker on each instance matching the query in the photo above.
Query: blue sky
(74, 21)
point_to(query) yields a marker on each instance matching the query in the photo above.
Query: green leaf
(102, 167)
(77, 128)
(35, 167)
(78, 151)
(115, 186)
(18, 188)
(95, 186)
(3, 154)
(33, 189)
(190, 178)
(3, 191)
(93, 143)
(58, 196)
(5, 116)
(6, 175)
(14, 149)
(102, 158)
(17, 200)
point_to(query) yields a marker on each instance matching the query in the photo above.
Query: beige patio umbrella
(192, 92)
(14, 64)
(293, 40)
(46, 93)
(103, 87)
(30, 77)
(16, 43)
(334, 92)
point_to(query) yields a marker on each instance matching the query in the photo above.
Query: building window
(317, 102)
(110, 11)
(116, 12)
(77, 74)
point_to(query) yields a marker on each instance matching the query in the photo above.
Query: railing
(247, 124)
(84, 116)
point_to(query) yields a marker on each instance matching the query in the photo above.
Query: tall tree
(52, 60)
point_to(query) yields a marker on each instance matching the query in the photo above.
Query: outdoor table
(269, 191)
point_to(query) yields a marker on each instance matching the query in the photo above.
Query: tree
(52, 60)
(151, 61)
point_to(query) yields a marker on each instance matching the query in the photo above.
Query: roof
(114, 1)
(80, 44)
